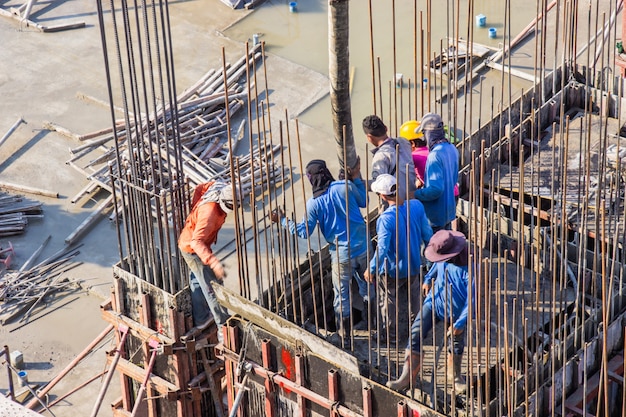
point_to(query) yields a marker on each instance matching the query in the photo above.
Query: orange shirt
(201, 228)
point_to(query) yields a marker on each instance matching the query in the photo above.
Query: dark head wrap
(319, 176)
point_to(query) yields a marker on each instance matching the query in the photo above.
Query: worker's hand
(452, 331)
(418, 183)
(367, 277)
(425, 289)
(218, 270)
(355, 171)
(276, 215)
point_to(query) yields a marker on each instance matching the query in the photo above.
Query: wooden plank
(155, 382)
(136, 329)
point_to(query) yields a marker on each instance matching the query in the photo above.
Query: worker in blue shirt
(441, 174)
(401, 230)
(446, 296)
(335, 208)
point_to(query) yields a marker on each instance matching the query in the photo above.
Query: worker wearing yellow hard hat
(419, 148)
(409, 131)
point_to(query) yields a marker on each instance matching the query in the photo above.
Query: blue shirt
(457, 296)
(442, 174)
(329, 210)
(398, 261)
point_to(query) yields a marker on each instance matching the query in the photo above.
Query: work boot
(346, 333)
(341, 338)
(410, 369)
(368, 313)
(454, 372)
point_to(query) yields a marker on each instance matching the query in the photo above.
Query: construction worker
(211, 203)
(335, 208)
(384, 155)
(419, 150)
(446, 296)
(401, 230)
(441, 174)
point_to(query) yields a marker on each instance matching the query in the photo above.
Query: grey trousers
(202, 294)
(396, 309)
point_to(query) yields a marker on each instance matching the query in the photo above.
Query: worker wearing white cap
(397, 265)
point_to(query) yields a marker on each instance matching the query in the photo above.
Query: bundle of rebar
(23, 290)
(199, 124)
(15, 212)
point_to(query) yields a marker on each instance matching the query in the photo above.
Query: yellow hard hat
(407, 130)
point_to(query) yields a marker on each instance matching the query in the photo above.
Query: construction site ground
(41, 78)
(41, 75)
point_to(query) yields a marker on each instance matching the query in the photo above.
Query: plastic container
(255, 39)
(293, 6)
(493, 32)
(481, 20)
(23, 378)
(399, 79)
(425, 84)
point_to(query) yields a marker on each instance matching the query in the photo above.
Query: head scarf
(319, 176)
(220, 192)
(434, 137)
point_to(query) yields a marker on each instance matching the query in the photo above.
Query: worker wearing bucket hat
(446, 297)
(441, 174)
(401, 230)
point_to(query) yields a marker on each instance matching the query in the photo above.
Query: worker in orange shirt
(212, 201)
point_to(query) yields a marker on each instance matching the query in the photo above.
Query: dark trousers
(396, 309)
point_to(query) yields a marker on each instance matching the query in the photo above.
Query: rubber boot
(341, 338)
(369, 311)
(346, 333)
(454, 372)
(410, 369)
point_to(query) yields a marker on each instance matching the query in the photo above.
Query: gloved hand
(276, 215)
(218, 270)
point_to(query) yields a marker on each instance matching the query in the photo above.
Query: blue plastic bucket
(493, 32)
(23, 378)
(293, 6)
(481, 20)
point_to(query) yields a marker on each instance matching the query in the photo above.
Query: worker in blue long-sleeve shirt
(441, 174)
(401, 231)
(446, 296)
(335, 208)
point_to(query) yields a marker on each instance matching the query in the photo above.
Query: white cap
(384, 184)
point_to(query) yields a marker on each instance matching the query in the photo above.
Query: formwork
(164, 370)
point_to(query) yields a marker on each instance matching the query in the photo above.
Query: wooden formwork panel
(302, 382)
(152, 314)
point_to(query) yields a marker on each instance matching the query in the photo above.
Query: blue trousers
(202, 294)
(343, 272)
(423, 324)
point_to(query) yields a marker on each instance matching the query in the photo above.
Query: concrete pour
(40, 77)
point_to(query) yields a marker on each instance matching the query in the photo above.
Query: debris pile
(23, 290)
(199, 125)
(15, 212)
